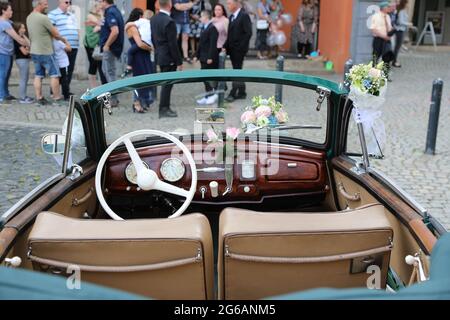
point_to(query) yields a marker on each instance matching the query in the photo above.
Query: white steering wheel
(147, 179)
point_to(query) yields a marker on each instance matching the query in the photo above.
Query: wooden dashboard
(278, 171)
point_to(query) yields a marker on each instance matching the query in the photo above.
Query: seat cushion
(436, 288)
(265, 254)
(146, 257)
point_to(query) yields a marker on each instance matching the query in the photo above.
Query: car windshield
(267, 108)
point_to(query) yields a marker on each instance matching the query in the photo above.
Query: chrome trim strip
(68, 134)
(402, 193)
(24, 201)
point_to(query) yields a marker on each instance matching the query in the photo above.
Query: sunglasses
(68, 2)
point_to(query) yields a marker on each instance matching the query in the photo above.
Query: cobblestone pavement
(406, 111)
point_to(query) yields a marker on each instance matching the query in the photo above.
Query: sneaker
(10, 98)
(42, 101)
(26, 100)
(5, 102)
(59, 102)
(212, 99)
(202, 101)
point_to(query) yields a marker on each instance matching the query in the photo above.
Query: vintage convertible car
(191, 208)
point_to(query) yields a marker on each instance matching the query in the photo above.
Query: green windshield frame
(275, 77)
(337, 96)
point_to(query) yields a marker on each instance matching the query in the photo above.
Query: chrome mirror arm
(68, 134)
(362, 139)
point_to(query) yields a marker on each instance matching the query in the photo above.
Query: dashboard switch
(203, 191)
(247, 189)
(214, 186)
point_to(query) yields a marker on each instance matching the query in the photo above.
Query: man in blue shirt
(180, 14)
(67, 25)
(111, 41)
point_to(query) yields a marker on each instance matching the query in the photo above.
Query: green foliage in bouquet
(367, 78)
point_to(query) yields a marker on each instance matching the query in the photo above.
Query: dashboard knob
(214, 186)
(247, 189)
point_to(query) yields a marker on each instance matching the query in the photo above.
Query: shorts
(43, 63)
(183, 28)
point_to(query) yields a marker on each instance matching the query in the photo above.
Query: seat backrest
(267, 254)
(157, 258)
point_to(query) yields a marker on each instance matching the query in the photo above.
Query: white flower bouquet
(368, 86)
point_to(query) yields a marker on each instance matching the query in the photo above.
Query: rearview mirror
(53, 144)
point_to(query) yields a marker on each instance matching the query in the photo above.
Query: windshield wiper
(283, 128)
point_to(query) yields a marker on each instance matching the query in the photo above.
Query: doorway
(21, 10)
(446, 40)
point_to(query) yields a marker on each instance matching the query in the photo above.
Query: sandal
(138, 108)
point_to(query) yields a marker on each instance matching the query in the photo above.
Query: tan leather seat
(267, 254)
(158, 258)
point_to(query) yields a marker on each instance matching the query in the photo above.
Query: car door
(69, 191)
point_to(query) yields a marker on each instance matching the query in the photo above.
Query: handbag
(97, 54)
(262, 24)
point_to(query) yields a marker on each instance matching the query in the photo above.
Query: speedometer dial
(172, 169)
(130, 172)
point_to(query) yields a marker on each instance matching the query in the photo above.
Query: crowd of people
(51, 41)
(388, 27)
(54, 39)
(51, 44)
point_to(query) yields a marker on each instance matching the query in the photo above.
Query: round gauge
(130, 172)
(172, 169)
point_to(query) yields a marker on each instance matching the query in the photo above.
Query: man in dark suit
(236, 46)
(208, 54)
(167, 55)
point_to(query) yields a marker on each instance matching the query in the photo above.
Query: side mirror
(53, 144)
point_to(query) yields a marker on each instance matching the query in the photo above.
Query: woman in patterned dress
(307, 20)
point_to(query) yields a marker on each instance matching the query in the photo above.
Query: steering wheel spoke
(169, 188)
(147, 179)
(135, 158)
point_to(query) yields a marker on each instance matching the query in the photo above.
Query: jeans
(45, 63)
(8, 76)
(399, 37)
(109, 66)
(24, 72)
(5, 64)
(109, 69)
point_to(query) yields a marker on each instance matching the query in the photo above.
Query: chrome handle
(346, 195)
(77, 202)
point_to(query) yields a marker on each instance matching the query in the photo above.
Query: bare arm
(129, 25)
(13, 34)
(25, 51)
(55, 34)
(91, 20)
(112, 37)
(183, 6)
(137, 38)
